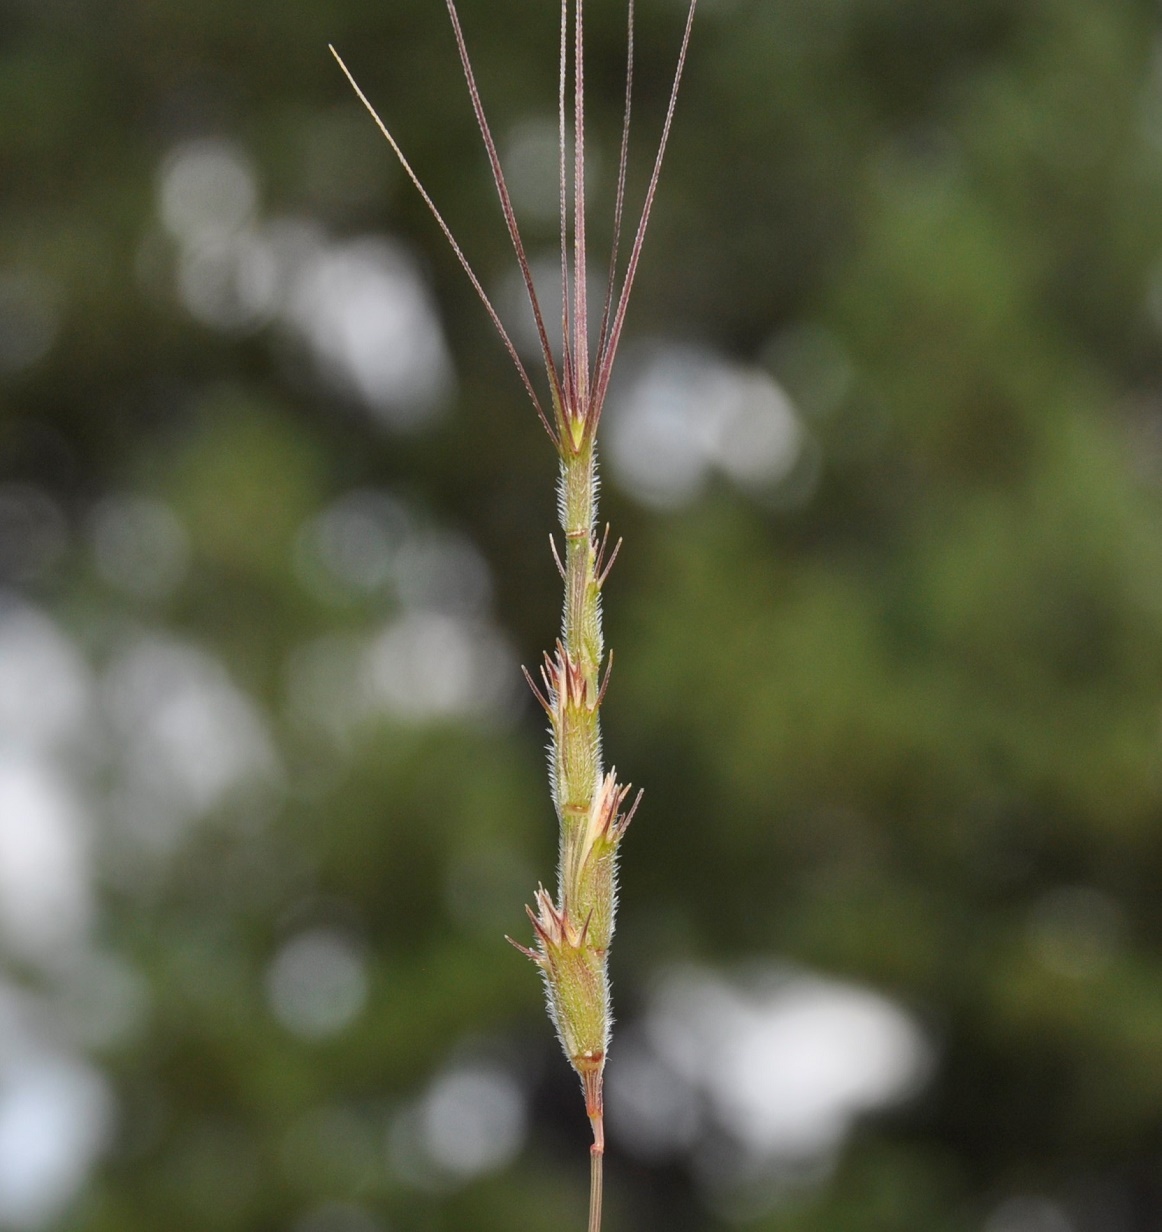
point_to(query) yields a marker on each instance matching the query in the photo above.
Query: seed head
(572, 936)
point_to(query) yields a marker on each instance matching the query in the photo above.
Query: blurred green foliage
(898, 721)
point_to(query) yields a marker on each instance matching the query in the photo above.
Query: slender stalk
(595, 1186)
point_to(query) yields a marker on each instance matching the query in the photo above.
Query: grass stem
(596, 1157)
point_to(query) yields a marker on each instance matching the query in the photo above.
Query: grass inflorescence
(572, 933)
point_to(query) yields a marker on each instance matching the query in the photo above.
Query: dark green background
(881, 724)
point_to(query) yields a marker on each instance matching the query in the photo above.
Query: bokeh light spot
(687, 414)
(140, 545)
(1028, 1214)
(317, 984)
(55, 1118)
(473, 1120)
(207, 188)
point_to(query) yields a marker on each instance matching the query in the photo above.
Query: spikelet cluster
(573, 934)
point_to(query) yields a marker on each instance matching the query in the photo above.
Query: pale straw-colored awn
(572, 935)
